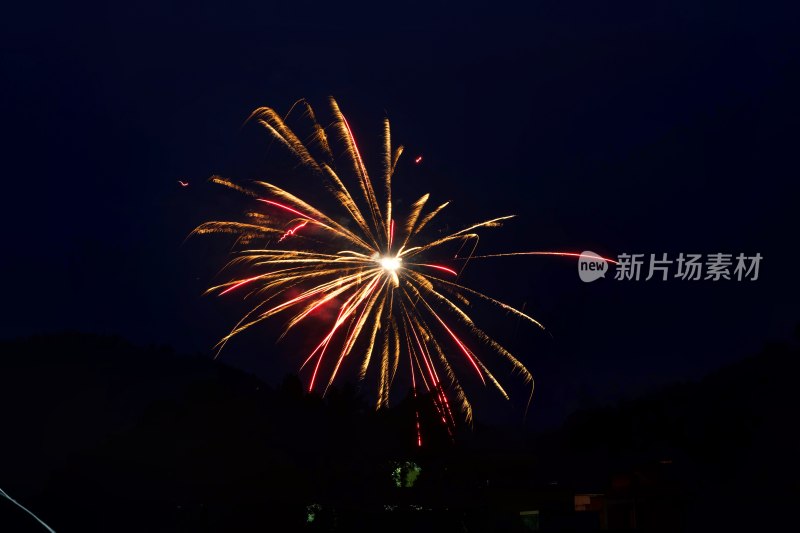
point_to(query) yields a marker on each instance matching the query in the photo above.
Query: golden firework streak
(385, 304)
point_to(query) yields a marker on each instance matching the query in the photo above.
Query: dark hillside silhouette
(96, 439)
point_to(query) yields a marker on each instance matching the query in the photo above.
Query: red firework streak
(561, 254)
(293, 230)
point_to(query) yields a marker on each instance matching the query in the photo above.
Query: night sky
(661, 128)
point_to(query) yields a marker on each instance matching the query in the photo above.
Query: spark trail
(369, 263)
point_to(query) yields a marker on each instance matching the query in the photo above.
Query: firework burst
(394, 306)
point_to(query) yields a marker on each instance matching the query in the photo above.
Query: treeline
(102, 435)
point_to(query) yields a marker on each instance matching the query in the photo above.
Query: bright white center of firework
(390, 263)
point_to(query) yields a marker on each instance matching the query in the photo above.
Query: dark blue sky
(629, 127)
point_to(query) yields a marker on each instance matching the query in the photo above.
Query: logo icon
(591, 266)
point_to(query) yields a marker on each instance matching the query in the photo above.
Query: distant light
(183, 183)
(312, 511)
(418, 160)
(390, 263)
(405, 474)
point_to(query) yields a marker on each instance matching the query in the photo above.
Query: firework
(395, 307)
